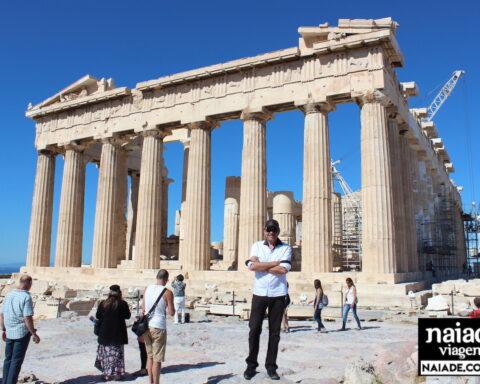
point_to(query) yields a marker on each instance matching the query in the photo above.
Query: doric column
(186, 151)
(196, 243)
(317, 191)
(398, 167)
(378, 243)
(132, 214)
(283, 212)
(70, 217)
(410, 224)
(121, 207)
(165, 183)
(107, 242)
(41, 216)
(253, 189)
(148, 239)
(230, 219)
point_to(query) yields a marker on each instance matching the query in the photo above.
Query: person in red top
(475, 314)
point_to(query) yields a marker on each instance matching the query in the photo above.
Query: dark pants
(143, 354)
(15, 350)
(318, 318)
(276, 307)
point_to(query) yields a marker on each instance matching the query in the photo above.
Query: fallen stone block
(82, 307)
(437, 303)
(41, 287)
(360, 372)
(63, 292)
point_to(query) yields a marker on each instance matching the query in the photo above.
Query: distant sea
(10, 268)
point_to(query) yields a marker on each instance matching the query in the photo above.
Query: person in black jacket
(112, 334)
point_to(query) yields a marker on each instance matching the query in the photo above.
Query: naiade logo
(449, 347)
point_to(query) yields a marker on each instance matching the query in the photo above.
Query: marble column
(253, 189)
(196, 243)
(132, 214)
(317, 191)
(106, 236)
(283, 212)
(70, 217)
(41, 217)
(398, 166)
(148, 238)
(230, 220)
(378, 241)
(410, 224)
(165, 183)
(121, 206)
(182, 213)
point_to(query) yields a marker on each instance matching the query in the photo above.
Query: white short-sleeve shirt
(269, 284)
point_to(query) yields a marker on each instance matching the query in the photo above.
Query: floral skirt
(110, 360)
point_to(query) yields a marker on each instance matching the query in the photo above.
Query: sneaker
(248, 374)
(273, 375)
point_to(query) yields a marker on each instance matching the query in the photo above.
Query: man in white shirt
(270, 260)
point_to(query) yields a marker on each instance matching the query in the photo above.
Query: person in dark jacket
(112, 334)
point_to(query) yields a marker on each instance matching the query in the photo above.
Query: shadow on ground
(186, 367)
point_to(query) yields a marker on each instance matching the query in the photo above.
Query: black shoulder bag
(140, 326)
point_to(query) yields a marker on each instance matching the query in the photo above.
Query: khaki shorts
(156, 343)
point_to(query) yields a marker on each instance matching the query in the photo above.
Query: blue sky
(47, 45)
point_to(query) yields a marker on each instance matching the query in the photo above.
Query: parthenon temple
(410, 209)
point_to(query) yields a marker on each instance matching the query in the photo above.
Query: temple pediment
(83, 87)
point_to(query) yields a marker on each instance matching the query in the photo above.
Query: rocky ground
(212, 350)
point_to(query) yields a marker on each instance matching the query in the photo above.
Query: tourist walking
(16, 320)
(351, 301)
(178, 286)
(318, 304)
(270, 260)
(112, 334)
(156, 336)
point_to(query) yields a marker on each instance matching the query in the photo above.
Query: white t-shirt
(159, 318)
(349, 296)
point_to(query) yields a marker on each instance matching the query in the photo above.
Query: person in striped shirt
(16, 320)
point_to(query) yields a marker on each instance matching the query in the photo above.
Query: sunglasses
(271, 229)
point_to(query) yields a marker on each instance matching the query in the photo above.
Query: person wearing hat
(112, 334)
(270, 259)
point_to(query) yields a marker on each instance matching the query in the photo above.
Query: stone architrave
(107, 238)
(378, 241)
(253, 189)
(70, 217)
(230, 220)
(196, 240)
(132, 214)
(149, 217)
(40, 234)
(283, 212)
(317, 191)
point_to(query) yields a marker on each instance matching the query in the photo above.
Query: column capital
(375, 96)
(47, 152)
(74, 146)
(317, 107)
(155, 133)
(261, 115)
(206, 125)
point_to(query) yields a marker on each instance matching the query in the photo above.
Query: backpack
(324, 300)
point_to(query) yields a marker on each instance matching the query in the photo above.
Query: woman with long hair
(318, 305)
(112, 334)
(351, 301)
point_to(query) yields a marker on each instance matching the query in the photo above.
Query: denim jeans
(318, 318)
(15, 350)
(346, 309)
